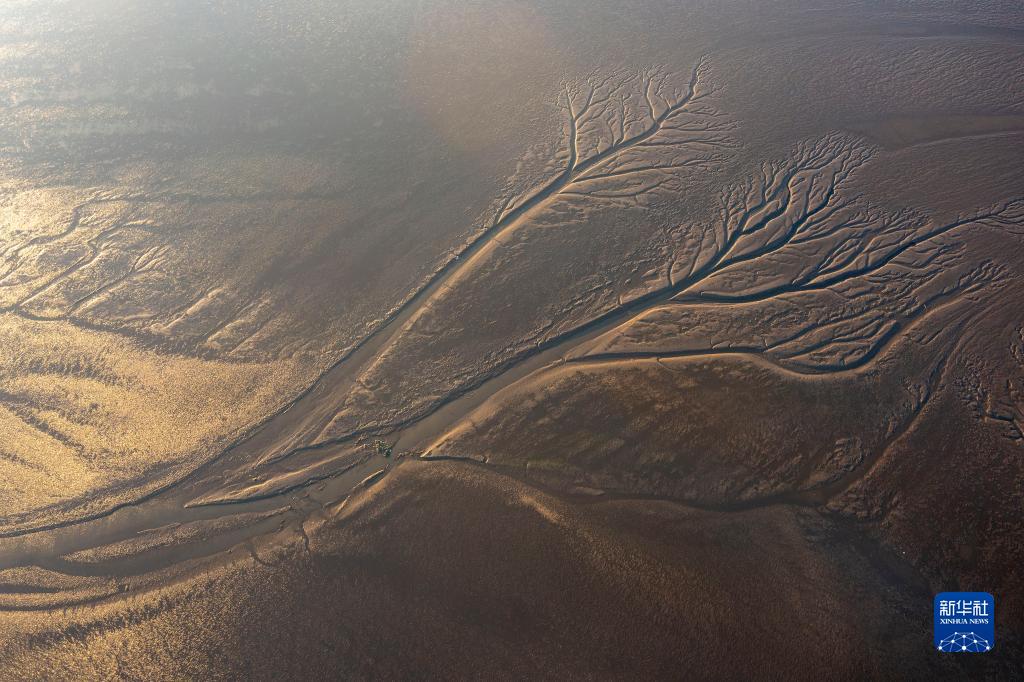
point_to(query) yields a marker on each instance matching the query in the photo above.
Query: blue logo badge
(965, 622)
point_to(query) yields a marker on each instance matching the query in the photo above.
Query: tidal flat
(554, 340)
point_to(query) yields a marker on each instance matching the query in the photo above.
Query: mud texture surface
(592, 340)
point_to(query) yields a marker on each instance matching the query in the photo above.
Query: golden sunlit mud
(508, 339)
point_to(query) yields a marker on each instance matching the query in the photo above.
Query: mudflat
(538, 340)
